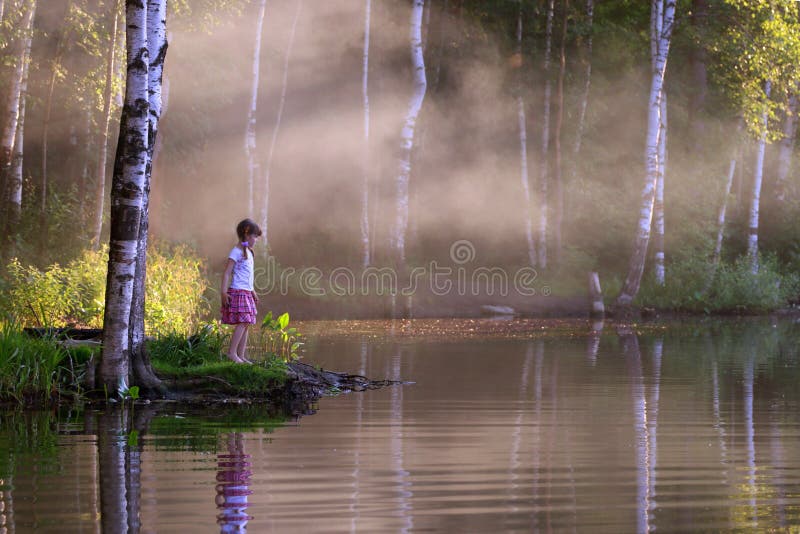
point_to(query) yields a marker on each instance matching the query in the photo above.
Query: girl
(238, 297)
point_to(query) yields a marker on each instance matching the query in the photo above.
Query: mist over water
(465, 180)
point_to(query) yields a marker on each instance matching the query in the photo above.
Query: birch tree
(786, 147)
(544, 164)
(156, 43)
(364, 225)
(276, 129)
(250, 130)
(102, 136)
(407, 133)
(14, 88)
(127, 195)
(14, 179)
(726, 192)
(659, 201)
(699, 71)
(662, 20)
(559, 218)
(55, 68)
(587, 83)
(523, 148)
(755, 199)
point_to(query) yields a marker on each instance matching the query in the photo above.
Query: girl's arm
(226, 281)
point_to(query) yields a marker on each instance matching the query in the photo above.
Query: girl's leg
(238, 332)
(241, 349)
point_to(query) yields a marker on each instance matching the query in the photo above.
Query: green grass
(201, 356)
(34, 370)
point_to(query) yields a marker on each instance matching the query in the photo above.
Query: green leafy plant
(278, 338)
(75, 293)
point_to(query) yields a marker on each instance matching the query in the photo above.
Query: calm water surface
(676, 429)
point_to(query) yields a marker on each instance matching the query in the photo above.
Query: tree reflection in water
(233, 479)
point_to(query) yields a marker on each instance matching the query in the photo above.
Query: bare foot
(234, 358)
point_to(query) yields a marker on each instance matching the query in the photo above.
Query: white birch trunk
(365, 162)
(559, 184)
(14, 90)
(127, 194)
(157, 47)
(544, 165)
(281, 105)
(14, 183)
(786, 147)
(523, 152)
(407, 134)
(102, 141)
(752, 240)
(250, 130)
(659, 202)
(722, 210)
(663, 16)
(588, 81)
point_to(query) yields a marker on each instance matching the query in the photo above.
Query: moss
(256, 379)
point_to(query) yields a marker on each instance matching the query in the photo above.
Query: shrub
(75, 294)
(692, 285)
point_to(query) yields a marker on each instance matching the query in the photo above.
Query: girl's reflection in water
(233, 477)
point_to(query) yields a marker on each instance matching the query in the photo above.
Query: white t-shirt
(242, 269)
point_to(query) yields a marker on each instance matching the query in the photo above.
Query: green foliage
(276, 337)
(33, 369)
(177, 350)
(759, 42)
(693, 285)
(60, 295)
(201, 355)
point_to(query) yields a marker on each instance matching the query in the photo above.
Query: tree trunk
(545, 163)
(102, 139)
(281, 106)
(365, 161)
(752, 240)
(523, 149)
(14, 179)
(697, 64)
(588, 81)
(51, 85)
(407, 134)
(250, 130)
(559, 121)
(721, 217)
(787, 147)
(663, 16)
(659, 202)
(156, 42)
(14, 89)
(86, 157)
(127, 195)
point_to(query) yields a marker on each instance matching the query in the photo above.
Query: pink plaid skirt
(241, 307)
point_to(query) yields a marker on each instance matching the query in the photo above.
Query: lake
(513, 426)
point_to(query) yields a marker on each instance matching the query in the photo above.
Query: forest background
(581, 70)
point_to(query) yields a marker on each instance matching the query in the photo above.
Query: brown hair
(247, 227)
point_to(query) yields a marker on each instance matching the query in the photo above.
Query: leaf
(283, 320)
